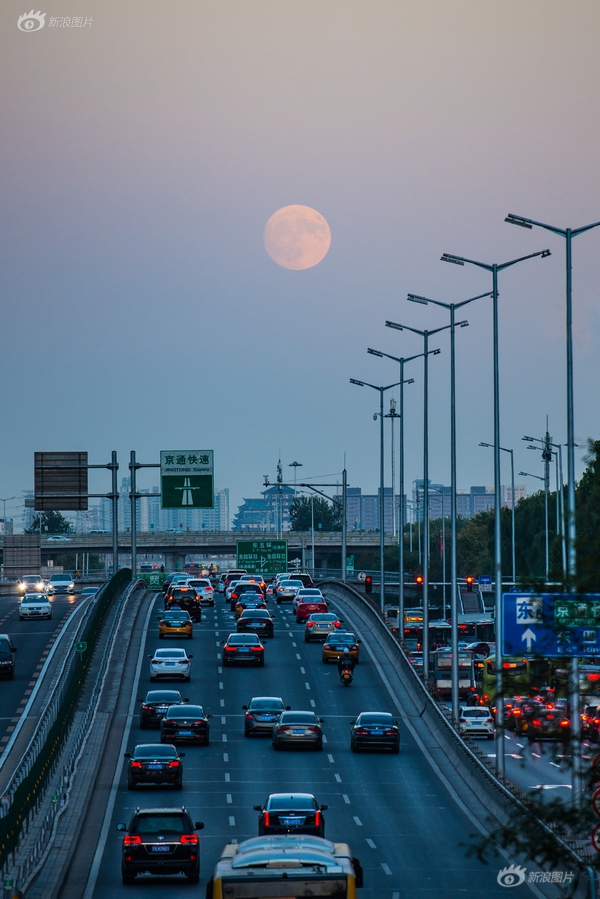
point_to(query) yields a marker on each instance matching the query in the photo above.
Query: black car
(150, 763)
(184, 598)
(291, 813)
(243, 649)
(549, 723)
(376, 730)
(7, 657)
(185, 724)
(251, 594)
(160, 841)
(263, 714)
(256, 621)
(154, 706)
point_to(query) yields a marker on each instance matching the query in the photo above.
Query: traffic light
(470, 581)
(368, 584)
(419, 580)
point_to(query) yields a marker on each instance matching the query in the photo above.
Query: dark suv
(161, 841)
(186, 598)
(7, 657)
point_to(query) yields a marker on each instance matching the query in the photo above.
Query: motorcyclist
(345, 663)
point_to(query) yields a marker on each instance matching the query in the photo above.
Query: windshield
(187, 711)
(293, 801)
(154, 751)
(258, 704)
(152, 824)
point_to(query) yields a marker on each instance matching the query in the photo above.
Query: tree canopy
(51, 523)
(327, 516)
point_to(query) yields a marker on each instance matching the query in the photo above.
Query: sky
(142, 154)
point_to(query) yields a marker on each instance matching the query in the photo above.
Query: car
(150, 763)
(528, 707)
(475, 721)
(175, 623)
(31, 583)
(160, 841)
(170, 663)
(549, 723)
(241, 591)
(298, 729)
(256, 621)
(230, 588)
(286, 590)
(589, 713)
(249, 601)
(305, 578)
(156, 704)
(337, 644)
(262, 714)
(89, 591)
(416, 660)
(305, 609)
(204, 589)
(35, 605)
(59, 538)
(185, 723)
(291, 813)
(61, 583)
(307, 594)
(7, 657)
(256, 579)
(319, 625)
(183, 597)
(243, 648)
(375, 730)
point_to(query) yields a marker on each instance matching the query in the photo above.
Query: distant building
(270, 512)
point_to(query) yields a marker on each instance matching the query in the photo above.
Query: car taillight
(266, 818)
(174, 764)
(147, 708)
(197, 723)
(234, 596)
(565, 723)
(170, 724)
(317, 817)
(462, 720)
(353, 647)
(156, 661)
(208, 589)
(136, 765)
(310, 623)
(132, 840)
(230, 649)
(249, 717)
(489, 721)
(550, 717)
(361, 731)
(256, 648)
(536, 722)
(313, 729)
(516, 711)
(189, 838)
(390, 732)
(336, 624)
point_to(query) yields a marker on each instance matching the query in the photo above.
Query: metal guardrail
(580, 850)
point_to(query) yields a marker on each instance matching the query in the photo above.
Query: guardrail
(25, 790)
(438, 716)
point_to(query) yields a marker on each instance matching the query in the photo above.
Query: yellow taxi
(175, 623)
(337, 644)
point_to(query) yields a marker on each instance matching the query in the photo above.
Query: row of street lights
(570, 568)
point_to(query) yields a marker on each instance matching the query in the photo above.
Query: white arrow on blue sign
(529, 625)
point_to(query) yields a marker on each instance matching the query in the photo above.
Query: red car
(305, 609)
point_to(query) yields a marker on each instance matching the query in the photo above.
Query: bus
(520, 677)
(285, 867)
(440, 632)
(441, 673)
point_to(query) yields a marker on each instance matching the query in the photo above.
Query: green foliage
(327, 516)
(588, 523)
(51, 522)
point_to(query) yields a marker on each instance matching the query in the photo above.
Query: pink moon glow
(297, 237)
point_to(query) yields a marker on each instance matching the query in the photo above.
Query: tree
(588, 522)
(327, 516)
(51, 522)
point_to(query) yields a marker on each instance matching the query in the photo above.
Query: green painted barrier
(154, 580)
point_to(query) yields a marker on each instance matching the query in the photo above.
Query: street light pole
(295, 466)
(494, 269)
(512, 504)
(5, 501)
(539, 477)
(381, 390)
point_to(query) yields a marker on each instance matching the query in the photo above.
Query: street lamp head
(546, 253)
(394, 325)
(375, 353)
(531, 439)
(464, 324)
(374, 416)
(413, 298)
(517, 220)
(436, 352)
(358, 383)
(481, 443)
(448, 257)
(410, 381)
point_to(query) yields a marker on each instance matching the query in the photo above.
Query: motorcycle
(346, 677)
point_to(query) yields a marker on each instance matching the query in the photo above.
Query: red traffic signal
(419, 580)
(470, 581)
(368, 584)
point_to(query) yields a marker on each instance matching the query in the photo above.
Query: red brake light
(147, 708)
(256, 648)
(131, 840)
(516, 711)
(390, 732)
(565, 723)
(310, 624)
(362, 731)
(136, 765)
(337, 624)
(230, 649)
(190, 838)
(234, 596)
(266, 819)
(249, 717)
(174, 764)
(318, 817)
(536, 722)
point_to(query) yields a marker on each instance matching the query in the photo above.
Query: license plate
(185, 733)
(170, 664)
(160, 848)
(163, 709)
(264, 717)
(258, 624)
(377, 733)
(290, 821)
(243, 650)
(300, 732)
(155, 767)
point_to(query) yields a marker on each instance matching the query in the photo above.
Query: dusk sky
(143, 154)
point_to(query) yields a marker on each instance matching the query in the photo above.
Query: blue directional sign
(551, 624)
(485, 580)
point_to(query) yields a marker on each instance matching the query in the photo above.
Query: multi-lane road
(396, 812)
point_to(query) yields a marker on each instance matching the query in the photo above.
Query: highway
(34, 640)
(395, 811)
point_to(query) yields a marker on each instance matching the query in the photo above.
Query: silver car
(319, 625)
(169, 664)
(262, 714)
(298, 729)
(475, 721)
(35, 605)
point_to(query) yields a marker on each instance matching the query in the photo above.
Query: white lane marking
(225, 756)
(217, 634)
(224, 738)
(219, 670)
(217, 642)
(395, 895)
(324, 738)
(286, 624)
(298, 656)
(232, 824)
(346, 798)
(554, 765)
(222, 703)
(330, 758)
(357, 821)
(293, 644)
(313, 704)
(307, 685)
(290, 635)
(95, 869)
(227, 777)
(220, 685)
(372, 845)
(218, 655)
(386, 868)
(536, 755)
(302, 670)
(338, 778)
(228, 797)
(223, 719)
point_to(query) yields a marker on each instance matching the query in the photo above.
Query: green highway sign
(187, 479)
(264, 557)
(577, 612)
(81, 646)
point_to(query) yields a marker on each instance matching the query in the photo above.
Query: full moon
(297, 237)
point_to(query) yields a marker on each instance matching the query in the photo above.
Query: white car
(476, 721)
(170, 663)
(204, 589)
(35, 605)
(61, 583)
(231, 589)
(307, 594)
(30, 583)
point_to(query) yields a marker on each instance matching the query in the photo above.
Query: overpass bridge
(176, 546)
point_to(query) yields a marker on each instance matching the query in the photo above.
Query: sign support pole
(114, 467)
